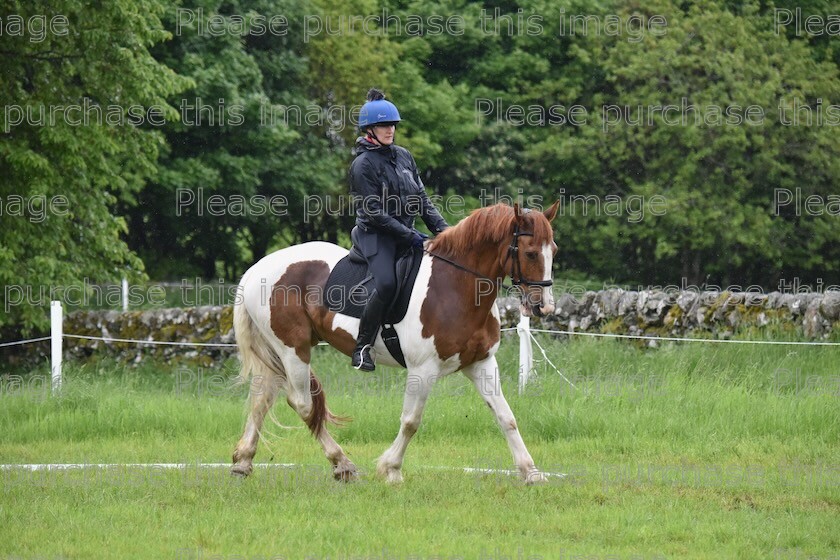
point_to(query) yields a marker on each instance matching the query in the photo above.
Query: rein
(461, 267)
(516, 270)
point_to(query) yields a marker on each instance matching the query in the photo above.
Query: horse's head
(528, 259)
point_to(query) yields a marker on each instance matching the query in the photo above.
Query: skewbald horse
(452, 324)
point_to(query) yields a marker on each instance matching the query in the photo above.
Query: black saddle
(350, 285)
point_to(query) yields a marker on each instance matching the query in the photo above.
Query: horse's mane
(491, 224)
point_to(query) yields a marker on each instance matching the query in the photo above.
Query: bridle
(512, 254)
(516, 269)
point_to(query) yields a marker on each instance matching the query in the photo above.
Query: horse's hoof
(535, 477)
(241, 471)
(345, 473)
(394, 476)
(386, 469)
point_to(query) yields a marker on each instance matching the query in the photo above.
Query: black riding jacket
(388, 191)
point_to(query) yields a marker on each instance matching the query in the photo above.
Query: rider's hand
(418, 240)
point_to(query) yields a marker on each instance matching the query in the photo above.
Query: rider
(388, 195)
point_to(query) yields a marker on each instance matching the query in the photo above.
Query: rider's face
(385, 133)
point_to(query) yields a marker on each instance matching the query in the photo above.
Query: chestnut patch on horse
(298, 316)
(457, 330)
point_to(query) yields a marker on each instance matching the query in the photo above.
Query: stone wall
(718, 314)
(212, 325)
(652, 313)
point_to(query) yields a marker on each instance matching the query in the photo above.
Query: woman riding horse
(388, 195)
(452, 324)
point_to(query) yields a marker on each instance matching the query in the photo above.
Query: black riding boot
(369, 325)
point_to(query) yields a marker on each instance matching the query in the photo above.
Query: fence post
(124, 294)
(526, 352)
(57, 335)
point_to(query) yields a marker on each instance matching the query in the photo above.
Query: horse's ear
(552, 211)
(517, 211)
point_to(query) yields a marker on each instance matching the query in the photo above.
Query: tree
(717, 172)
(226, 145)
(98, 64)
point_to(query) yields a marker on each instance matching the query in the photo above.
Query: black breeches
(382, 265)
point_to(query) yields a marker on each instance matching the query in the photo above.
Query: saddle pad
(349, 284)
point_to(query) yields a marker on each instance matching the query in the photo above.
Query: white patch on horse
(548, 293)
(495, 313)
(346, 323)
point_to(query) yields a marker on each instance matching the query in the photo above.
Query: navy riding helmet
(376, 112)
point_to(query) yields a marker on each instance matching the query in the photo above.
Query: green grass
(686, 451)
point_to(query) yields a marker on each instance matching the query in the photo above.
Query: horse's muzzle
(542, 311)
(530, 310)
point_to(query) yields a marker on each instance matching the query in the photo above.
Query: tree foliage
(103, 61)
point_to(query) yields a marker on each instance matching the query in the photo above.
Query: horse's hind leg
(263, 392)
(306, 396)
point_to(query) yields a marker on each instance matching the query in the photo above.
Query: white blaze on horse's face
(535, 263)
(539, 300)
(535, 254)
(547, 300)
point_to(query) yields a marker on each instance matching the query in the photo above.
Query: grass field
(686, 451)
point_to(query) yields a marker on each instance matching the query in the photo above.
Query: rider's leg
(381, 265)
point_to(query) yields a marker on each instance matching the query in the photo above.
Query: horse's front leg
(485, 377)
(417, 388)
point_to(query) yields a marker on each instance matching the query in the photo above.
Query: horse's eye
(532, 255)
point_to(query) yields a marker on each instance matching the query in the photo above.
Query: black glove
(418, 240)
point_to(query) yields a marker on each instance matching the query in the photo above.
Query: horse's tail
(320, 414)
(257, 359)
(265, 367)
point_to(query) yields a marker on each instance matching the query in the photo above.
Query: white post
(57, 335)
(125, 294)
(526, 352)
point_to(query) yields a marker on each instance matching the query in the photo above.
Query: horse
(452, 324)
